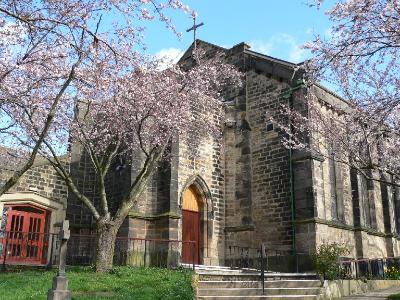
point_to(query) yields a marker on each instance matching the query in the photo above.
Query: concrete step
(258, 291)
(286, 297)
(227, 271)
(293, 283)
(209, 284)
(205, 266)
(238, 275)
(218, 284)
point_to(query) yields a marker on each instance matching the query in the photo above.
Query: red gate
(24, 238)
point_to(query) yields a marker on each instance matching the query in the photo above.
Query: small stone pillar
(60, 291)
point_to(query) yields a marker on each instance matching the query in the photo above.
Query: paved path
(376, 295)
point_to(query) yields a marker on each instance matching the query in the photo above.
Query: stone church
(240, 191)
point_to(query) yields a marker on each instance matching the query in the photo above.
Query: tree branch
(140, 182)
(17, 174)
(58, 166)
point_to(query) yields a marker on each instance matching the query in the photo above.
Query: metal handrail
(263, 268)
(368, 267)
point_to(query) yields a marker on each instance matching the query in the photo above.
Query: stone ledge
(137, 215)
(346, 227)
(336, 289)
(239, 228)
(300, 156)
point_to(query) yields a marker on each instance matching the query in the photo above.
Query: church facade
(243, 189)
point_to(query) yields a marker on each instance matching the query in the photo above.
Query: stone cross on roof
(194, 28)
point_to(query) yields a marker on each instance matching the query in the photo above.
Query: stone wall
(258, 198)
(84, 176)
(270, 163)
(40, 186)
(196, 158)
(200, 160)
(330, 210)
(41, 179)
(337, 289)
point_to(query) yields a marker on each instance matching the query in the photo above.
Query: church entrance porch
(29, 225)
(22, 237)
(191, 226)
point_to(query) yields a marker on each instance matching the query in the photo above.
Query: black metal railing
(17, 247)
(243, 257)
(22, 248)
(263, 255)
(275, 260)
(373, 268)
(267, 260)
(133, 251)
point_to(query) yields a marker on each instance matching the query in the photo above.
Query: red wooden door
(190, 232)
(25, 237)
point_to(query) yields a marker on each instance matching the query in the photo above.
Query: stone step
(258, 291)
(227, 272)
(293, 283)
(205, 266)
(252, 276)
(233, 277)
(209, 284)
(269, 297)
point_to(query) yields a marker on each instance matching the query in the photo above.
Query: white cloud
(282, 45)
(169, 56)
(264, 47)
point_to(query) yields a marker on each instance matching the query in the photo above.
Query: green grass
(121, 283)
(394, 297)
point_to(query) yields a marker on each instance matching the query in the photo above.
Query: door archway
(192, 206)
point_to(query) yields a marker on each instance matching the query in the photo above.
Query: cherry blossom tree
(45, 49)
(123, 112)
(360, 60)
(67, 78)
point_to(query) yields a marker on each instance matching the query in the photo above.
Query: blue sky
(274, 27)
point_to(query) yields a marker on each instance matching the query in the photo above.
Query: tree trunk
(105, 245)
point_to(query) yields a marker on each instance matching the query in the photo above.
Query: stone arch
(198, 182)
(206, 212)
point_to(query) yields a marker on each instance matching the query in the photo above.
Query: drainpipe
(294, 86)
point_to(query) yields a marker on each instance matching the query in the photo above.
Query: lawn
(121, 283)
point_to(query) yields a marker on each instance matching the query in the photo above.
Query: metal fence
(34, 248)
(131, 251)
(22, 248)
(267, 260)
(374, 268)
(274, 260)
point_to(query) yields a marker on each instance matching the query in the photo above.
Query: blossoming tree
(45, 49)
(360, 59)
(93, 88)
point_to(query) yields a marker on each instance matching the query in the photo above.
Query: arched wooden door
(191, 226)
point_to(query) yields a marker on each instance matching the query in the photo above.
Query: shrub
(392, 273)
(326, 258)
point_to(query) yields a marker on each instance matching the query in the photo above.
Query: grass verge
(84, 283)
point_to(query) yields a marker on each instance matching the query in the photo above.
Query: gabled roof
(265, 63)
(259, 61)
